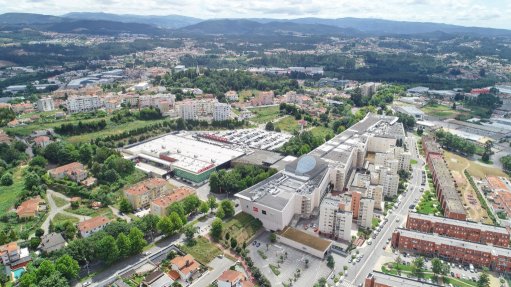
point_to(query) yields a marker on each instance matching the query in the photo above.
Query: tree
(177, 223)
(228, 207)
(216, 228)
(269, 126)
(189, 231)
(55, 279)
(137, 240)
(204, 207)
(220, 213)
(191, 203)
(32, 180)
(177, 208)
(273, 237)
(436, 266)
(417, 266)
(330, 262)
(38, 161)
(212, 202)
(125, 205)
(165, 226)
(124, 245)
(106, 249)
(214, 183)
(6, 179)
(67, 266)
(484, 279)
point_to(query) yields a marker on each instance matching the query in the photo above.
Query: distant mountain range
(104, 23)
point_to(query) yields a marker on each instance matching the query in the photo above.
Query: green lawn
(288, 124)
(322, 132)
(413, 161)
(59, 218)
(428, 204)
(440, 111)
(242, 227)
(375, 222)
(246, 94)
(407, 269)
(87, 211)
(265, 114)
(28, 129)
(203, 250)
(10, 194)
(111, 129)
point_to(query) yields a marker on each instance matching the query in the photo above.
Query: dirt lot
(458, 165)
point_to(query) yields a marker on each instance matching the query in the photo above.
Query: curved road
(54, 209)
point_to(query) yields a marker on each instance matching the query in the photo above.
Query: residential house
(14, 256)
(141, 194)
(160, 205)
(42, 141)
(93, 225)
(29, 208)
(233, 278)
(51, 242)
(157, 278)
(74, 171)
(185, 266)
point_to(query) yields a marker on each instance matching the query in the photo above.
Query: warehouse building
(188, 158)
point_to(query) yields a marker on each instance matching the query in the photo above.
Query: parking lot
(292, 260)
(256, 138)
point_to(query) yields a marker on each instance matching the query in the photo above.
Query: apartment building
(196, 109)
(79, 104)
(93, 225)
(445, 188)
(390, 183)
(222, 112)
(379, 279)
(159, 206)
(365, 215)
(231, 96)
(453, 250)
(263, 99)
(370, 88)
(141, 194)
(335, 218)
(459, 229)
(45, 104)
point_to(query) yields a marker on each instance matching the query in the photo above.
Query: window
(264, 211)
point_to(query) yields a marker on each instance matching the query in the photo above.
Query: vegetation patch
(275, 269)
(265, 114)
(242, 227)
(203, 250)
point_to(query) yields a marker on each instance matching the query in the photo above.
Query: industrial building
(183, 156)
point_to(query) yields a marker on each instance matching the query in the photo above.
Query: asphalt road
(371, 253)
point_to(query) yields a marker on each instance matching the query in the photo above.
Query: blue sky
(483, 13)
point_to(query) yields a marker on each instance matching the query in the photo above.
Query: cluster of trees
(11, 154)
(149, 114)
(6, 115)
(288, 109)
(178, 214)
(218, 82)
(238, 179)
(48, 273)
(301, 144)
(455, 143)
(484, 104)
(408, 121)
(506, 162)
(80, 127)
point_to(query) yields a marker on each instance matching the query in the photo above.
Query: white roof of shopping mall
(186, 152)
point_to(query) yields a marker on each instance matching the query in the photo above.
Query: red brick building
(453, 250)
(463, 230)
(378, 279)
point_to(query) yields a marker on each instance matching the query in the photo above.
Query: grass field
(203, 250)
(9, 194)
(440, 111)
(28, 129)
(322, 132)
(85, 210)
(111, 129)
(288, 124)
(396, 269)
(242, 227)
(246, 94)
(428, 204)
(265, 114)
(59, 201)
(59, 218)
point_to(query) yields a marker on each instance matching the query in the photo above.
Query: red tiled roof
(9, 247)
(231, 276)
(146, 185)
(41, 139)
(67, 168)
(92, 223)
(173, 275)
(186, 264)
(29, 206)
(178, 195)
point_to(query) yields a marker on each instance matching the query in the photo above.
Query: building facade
(45, 104)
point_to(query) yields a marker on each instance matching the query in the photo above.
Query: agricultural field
(241, 227)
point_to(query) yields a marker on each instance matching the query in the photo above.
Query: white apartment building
(80, 104)
(196, 109)
(222, 112)
(390, 182)
(335, 218)
(231, 96)
(155, 100)
(45, 104)
(365, 214)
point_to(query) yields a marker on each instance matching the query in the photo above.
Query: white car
(86, 283)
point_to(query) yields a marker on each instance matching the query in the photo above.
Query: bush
(6, 179)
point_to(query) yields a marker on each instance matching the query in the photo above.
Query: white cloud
(488, 13)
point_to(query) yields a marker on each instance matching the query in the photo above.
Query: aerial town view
(316, 143)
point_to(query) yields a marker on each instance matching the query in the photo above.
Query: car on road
(86, 283)
(412, 206)
(350, 260)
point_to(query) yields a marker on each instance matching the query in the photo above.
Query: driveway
(219, 265)
(54, 209)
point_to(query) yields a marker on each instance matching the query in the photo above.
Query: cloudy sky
(484, 13)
